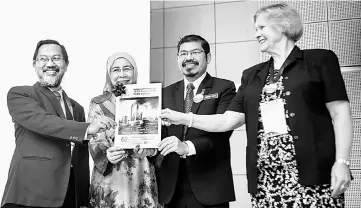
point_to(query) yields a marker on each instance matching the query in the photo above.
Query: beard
(49, 80)
(190, 74)
(187, 72)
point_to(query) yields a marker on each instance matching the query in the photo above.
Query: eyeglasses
(54, 59)
(117, 69)
(193, 53)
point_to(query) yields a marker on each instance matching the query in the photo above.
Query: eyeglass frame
(193, 53)
(47, 59)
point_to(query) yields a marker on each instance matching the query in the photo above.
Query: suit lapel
(263, 72)
(179, 97)
(52, 98)
(206, 84)
(179, 106)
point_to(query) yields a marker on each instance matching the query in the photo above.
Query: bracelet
(192, 120)
(343, 161)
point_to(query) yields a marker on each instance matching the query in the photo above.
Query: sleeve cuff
(86, 136)
(155, 153)
(191, 147)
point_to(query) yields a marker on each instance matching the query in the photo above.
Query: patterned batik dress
(278, 180)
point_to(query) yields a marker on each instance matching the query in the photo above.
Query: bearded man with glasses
(50, 164)
(194, 167)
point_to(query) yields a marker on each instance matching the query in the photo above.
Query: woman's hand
(141, 152)
(110, 134)
(115, 154)
(340, 179)
(169, 117)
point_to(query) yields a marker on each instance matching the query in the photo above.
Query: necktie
(57, 94)
(188, 105)
(67, 111)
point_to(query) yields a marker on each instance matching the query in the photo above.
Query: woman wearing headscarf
(297, 116)
(120, 178)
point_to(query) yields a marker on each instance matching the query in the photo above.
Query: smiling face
(267, 34)
(50, 65)
(192, 61)
(122, 71)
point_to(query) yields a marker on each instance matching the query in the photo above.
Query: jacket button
(295, 137)
(288, 93)
(292, 114)
(286, 77)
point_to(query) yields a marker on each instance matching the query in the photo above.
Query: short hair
(49, 41)
(284, 17)
(194, 38)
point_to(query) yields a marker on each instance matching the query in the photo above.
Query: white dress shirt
(196, 83)
(64, 111)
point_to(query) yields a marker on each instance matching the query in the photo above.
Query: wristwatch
(343, 161)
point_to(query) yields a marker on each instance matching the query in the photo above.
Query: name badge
(273, 117)
(210, 96)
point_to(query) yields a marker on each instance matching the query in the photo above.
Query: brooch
(199, 97)
(119, 89)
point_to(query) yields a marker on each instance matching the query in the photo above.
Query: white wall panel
(238, 152)
(156, 65)
(156, 31)
(345, 41)
(171, 4)
(338, 10)
(189, 20)
(233, 25)
(233, 58)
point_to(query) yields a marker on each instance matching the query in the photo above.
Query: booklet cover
(137, 116)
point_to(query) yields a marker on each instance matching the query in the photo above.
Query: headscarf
(108, 84)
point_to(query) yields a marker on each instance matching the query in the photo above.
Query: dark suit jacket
(40, 167)
(209, 171)
(311, 79)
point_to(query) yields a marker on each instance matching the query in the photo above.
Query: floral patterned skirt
(278, 180)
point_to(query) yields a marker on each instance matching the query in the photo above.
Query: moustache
(51, 68)
(190, 62)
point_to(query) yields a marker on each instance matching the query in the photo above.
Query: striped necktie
(67, 112)
(188, 105)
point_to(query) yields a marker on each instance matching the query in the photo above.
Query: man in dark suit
(195, 171)
(50, 165)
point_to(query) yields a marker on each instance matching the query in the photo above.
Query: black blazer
(209, 171)
(40, 167)
(311, 79)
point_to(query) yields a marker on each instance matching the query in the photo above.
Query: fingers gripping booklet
(137, 116)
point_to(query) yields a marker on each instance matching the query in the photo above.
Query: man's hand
(340, 179)
(169, 117)
(115, 154)
(172, 144)
(100, 124)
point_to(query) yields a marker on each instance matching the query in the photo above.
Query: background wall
(91, 31)
(228, 27)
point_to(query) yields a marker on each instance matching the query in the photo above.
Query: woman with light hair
(121, 178)
(297, 116)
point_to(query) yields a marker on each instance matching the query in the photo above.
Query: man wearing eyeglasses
(50, 164)
(194, 166)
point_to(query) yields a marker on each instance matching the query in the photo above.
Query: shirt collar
(196, 83)
(59, 91)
